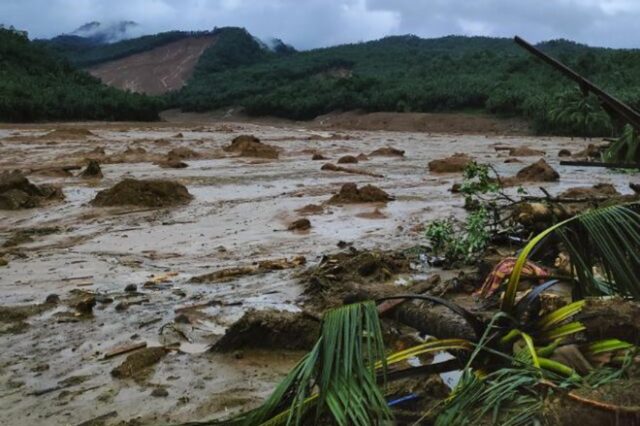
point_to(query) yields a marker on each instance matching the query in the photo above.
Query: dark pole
(614, 104)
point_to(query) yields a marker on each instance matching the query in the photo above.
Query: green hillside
(37, 85)
(407, 73)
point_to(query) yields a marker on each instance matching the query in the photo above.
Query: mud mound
(564, 153)
(525, 151)
(270, 329)
(134, 151)
(16, 192)
(362, 157)
(68, 133)
(539, 171)
(147, 193)
(182, 153)
(454, 164)
(333, 168)
(250, 146)
(93, 171)
(597, 191)
(350, 193)
(347, 273)
(310, 209)
(348, 159)
(387, 151)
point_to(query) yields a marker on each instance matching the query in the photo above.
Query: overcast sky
(316, 23)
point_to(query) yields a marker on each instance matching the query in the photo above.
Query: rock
(362, 157)
(53, 299)
(564, 153)
(147, 193)
(16, 192)
(182, 153)
(138, 363)
(3, 262)
(635, 187)
(387, 152)
(317, 157)
(350, 193)
(250, 146)
(525, 151)
(178, 135)
(300, 225)
(131, 288)
(454, 164)
(597, 191)
(160, 393)
(539, 171)
(93, 171)
(512, 160)
(347, 159)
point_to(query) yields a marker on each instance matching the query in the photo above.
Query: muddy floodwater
(53, 369)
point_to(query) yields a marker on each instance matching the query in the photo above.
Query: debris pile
(16, 192)
(250, 146)
(146, 193)
(350, 193)
(454, 164)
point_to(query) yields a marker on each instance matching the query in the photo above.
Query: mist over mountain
(100, 32)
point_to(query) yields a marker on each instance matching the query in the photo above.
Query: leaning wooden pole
(612, 103)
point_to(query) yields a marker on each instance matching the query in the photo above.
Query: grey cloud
(317, 23)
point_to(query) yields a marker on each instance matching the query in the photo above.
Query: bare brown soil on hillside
(156, 71)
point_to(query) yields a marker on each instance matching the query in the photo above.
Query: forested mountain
(84, 52)
(407, 73)
(37, 85)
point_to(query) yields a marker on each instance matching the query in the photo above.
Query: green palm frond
(606, 238)
(342, 367)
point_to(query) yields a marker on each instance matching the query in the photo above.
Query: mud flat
(122, 276)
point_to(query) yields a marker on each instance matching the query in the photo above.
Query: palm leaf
(608, 238)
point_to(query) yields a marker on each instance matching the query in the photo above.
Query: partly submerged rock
(147, 193)
(92, 171)
(350, 193)
(454, 164)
